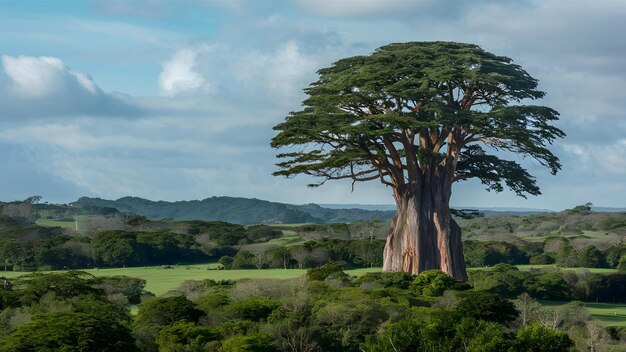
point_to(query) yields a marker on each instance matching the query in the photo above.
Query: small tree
(417, 117)
(621, 267)
(527, 308)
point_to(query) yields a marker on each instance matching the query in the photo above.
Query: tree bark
(423, 234)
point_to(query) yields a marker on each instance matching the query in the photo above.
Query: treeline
(559, 251)
(327, 312)
(558, 285)
(351, 253)
(141, 242)
(576, 221)
(32, 248)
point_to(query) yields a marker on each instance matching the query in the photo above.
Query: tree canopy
(418, 106)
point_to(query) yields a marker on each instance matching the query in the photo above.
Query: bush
(433, 283)
(486, 306)
(253, 309)
(536, 338)
(621, 266)
(330, 270)
(398, 279)
(541, 259)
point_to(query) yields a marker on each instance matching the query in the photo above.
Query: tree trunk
(423, 235)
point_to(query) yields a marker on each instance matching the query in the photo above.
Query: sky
(176, 100)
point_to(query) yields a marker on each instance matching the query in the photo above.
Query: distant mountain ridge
(234, 210)
(256, 211)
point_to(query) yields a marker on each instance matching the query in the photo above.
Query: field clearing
(607, 313)
(82, 223)
(160, 280)
(552, 267)
(289, 239)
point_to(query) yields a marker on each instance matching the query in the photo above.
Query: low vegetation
(325, 311)
(532, 285)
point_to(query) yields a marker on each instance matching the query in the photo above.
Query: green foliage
(438, 331)
(64, 285)
(486, 306)
(121, 248)
(536, 338)
(505, 280)
(248, 343)
(156, 313)
(541, 259)
(136, 220)
(548, 286)
(621, 266)
(130, 287)
(345, 317)
(212, 301)
(243, 260)
(330, 270)
(583, 209)
(226, 261)
(614, 254)
(253, 309)
(167, 310)
(185, 337)
(591, 257)
(261, 233)
(432, 91)
(92, 325)
(398, 279)
(432, 283)
(488, 253)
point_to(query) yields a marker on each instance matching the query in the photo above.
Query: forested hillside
(234, 210)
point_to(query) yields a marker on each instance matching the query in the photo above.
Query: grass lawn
(291, 225)
(160, 280)
(289, 239)
(82, 222)
(607, 313)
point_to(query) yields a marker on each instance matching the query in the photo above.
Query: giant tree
(418, 117)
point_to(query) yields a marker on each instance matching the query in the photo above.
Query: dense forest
(325, 311)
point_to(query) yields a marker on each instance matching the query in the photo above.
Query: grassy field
(82, 222)
(160, 280)
(289, 239)
(607, 313)
(551, 266)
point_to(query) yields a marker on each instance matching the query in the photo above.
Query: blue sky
(176, 99)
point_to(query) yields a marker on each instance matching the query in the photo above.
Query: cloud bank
(39, 87)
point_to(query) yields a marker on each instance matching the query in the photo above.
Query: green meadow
(160, 280)
(82, 222)
(608, 313)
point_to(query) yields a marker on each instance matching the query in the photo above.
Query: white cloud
(35, 87)
(180, 73)
(280, 74)
(41, 76)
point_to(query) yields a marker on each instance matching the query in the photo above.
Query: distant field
(160, 280)
(289, 239)
(291, 225)
(550, 266)
(82, 221)
(607, 313)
